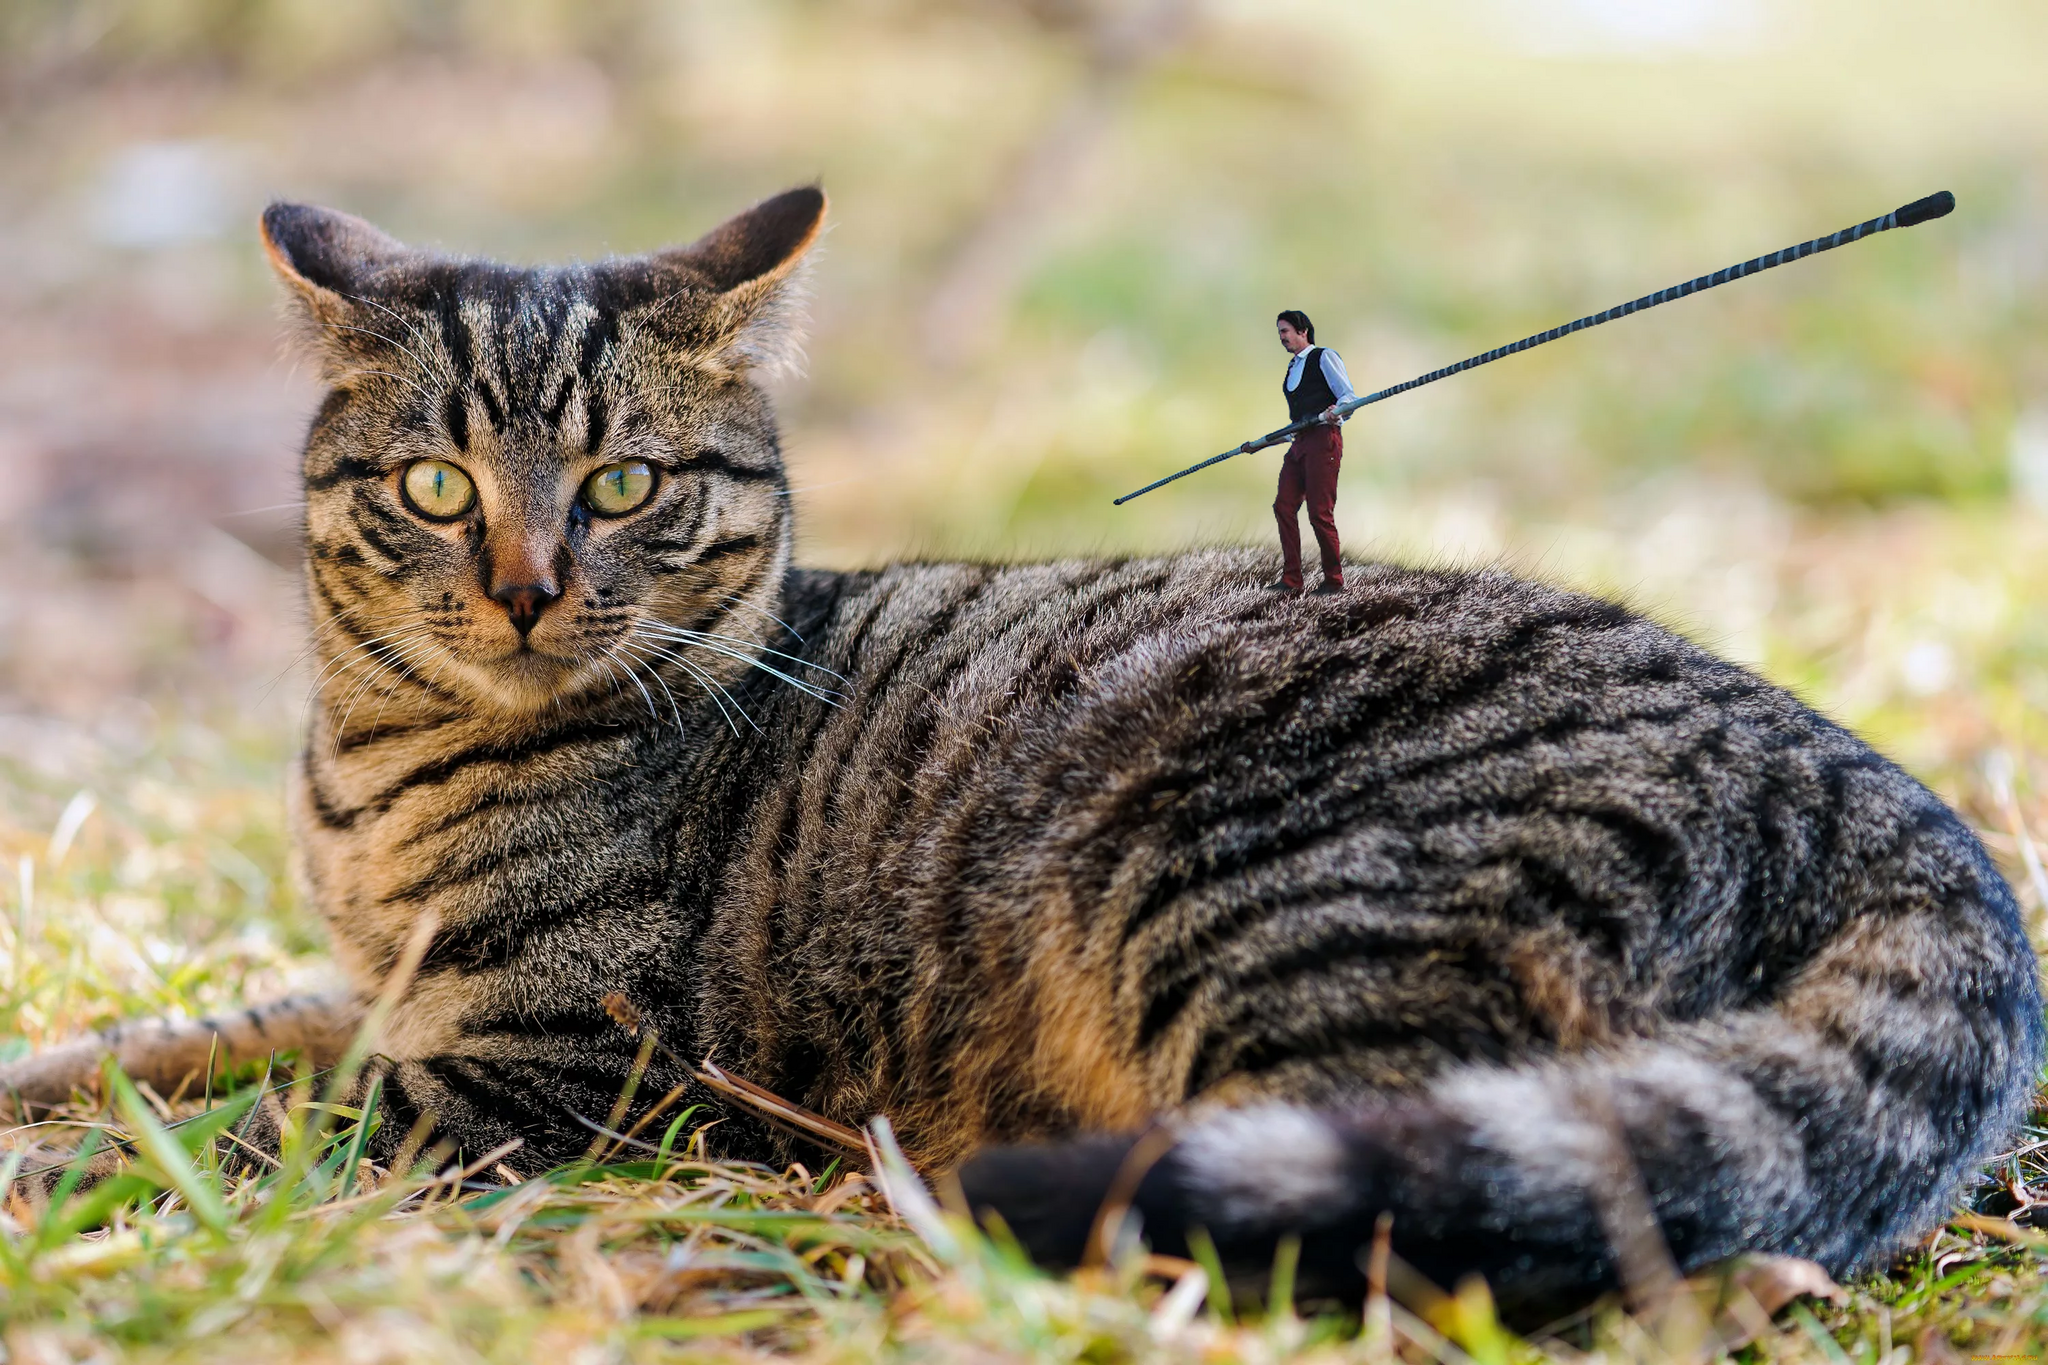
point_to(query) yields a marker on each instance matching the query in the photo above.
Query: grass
(675, 1257)
(147, 875)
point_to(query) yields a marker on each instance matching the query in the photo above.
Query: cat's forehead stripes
(528, 348)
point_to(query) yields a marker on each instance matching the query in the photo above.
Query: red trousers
(1309, 471)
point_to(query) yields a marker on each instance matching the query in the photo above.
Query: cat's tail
(1833, 1123)
(172, 1056)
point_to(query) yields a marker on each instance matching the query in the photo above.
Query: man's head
(1297, 333)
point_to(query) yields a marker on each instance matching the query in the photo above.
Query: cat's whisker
(758, 611)
(632, 642)
(432, 647)
(612, 670)
(745, 605)
(344, 660)
(341, 728)
(712, 647)
(720, 698)
(336, 670)
(383, 663)
(319, 627)
(383, 700)
(829, 483)
(408, 620)
(404, 666)
(675, 712)
(252, 511)
(705, 683)
(737, 640)
(381, 668)
(649, 640)
(412, 355)
(633, 676)
(587, 660)
(681, 632)
(603, 659)
(420, 338)
(414, 385)
(355, 615)
(616, 671)
(296, 660)
(715, 640)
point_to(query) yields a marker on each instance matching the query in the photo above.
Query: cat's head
(523, 483)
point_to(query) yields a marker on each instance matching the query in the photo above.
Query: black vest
(1312, 394)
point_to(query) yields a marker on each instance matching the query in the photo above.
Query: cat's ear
(334, 265)
(733, 297)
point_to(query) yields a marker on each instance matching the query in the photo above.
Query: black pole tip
(1921, 210)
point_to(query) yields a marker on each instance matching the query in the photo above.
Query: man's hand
(1329, 417)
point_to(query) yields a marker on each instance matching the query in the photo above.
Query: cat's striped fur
(1454, 896)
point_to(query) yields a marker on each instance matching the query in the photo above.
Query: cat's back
(1075, 710)
(1150, 651)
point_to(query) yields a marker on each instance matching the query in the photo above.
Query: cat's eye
(618, 488)
(437, 490)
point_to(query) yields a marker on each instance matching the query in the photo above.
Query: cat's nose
(524, 602)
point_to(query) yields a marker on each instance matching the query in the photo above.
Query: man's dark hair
(1298, 320)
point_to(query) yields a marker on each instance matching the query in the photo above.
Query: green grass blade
(1286, 1260)
(668, 1138)
(681, 1329)
(47, 1233)
(195, 1132)
(91, 1209)
(163, 1151)
(1203, 1246)
(1821, 1337)
(17, 1264)
(364, 1127)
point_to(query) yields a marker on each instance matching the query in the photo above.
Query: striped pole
(1919, 211)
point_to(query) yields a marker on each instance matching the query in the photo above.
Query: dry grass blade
(2003, 1229)
(1746, 1293)
(1378, 1335)
(1145, 1153)
(1999, 771)
(396, 983)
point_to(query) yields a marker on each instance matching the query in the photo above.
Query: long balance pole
(1919, 211)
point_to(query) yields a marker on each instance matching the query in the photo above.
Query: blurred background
(1061, 229)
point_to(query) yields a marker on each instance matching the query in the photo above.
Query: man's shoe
(1329, 587)
(1282, 585)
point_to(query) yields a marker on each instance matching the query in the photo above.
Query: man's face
(1291, 339)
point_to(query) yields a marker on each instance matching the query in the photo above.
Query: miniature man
(1315, 385)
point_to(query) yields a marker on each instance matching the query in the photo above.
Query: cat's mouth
(529, 659)
(528, 677)
(523, 669)
(539, 667)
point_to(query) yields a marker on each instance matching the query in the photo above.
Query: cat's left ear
(335, 265)
(733, 296)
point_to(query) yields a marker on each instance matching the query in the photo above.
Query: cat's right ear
(334, 264)
(732, 298)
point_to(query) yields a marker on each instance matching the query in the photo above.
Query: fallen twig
(784, 1114)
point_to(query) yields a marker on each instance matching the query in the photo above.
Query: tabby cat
(1455, 896)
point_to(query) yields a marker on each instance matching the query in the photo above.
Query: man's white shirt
(1333, 371)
